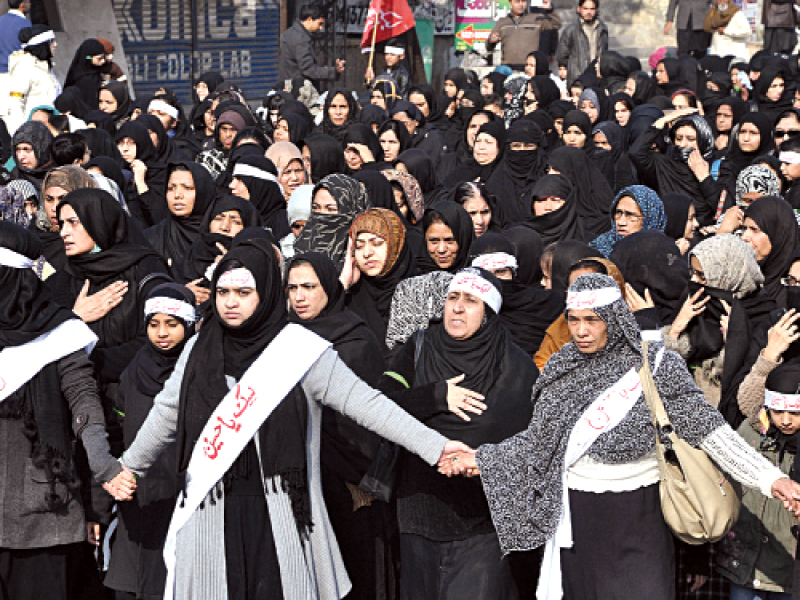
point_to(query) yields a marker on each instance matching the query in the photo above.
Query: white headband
(9, 258)
(163, 107)
(237, 278)
(472, 283)
(793, 158)
(396, 50)
(170, 306)
(782, 402)
(589, 299)
(41, 38)
(495, 260)
(251, 171)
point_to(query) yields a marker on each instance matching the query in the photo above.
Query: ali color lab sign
(475, 20)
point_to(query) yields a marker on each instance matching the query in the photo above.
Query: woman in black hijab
(610, 155)
(137, 563)
(325, 156)
(101, 144)
(576, 131)
(70, 102)
(336, 125)
(754, 138)
(455, 79)
(435, 513)
(644, 87)
(86, 71)
(254, 180)
(528, 310)
(145, 193)
(727, 114)
(420, 166)
(292, 127)
(487, 154)
(528, 248)
(109, 168)
(449, 233)
(115, 99)
(461, 153)
(774, 91)
(227, 216)
(668, 76)
(46, 411)
(771, 229)
(594, 194)
(359, 143)
(372, 115)
(423, 97)
(613, 69)
(681, 220)
(347, 450)
(38, 137)
(554, 210)
(166, 149)
(101, 120)
(210, 81)
(190, 192)
(524, 162)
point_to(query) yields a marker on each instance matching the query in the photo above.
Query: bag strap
(657, 411)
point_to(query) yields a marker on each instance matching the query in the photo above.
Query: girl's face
(180, 193)
(724, 118)
(622, 113)
(601, 141)
(787, 421)
(165, 331)
(390, 144)
(370, 253)
(775, 90)
(377, 99)
(419, 101)
(630, 87)
(339, 110)
(530, 66)
(107, 102)
(662, 76)
(227, 223)
(127, 147)
(590, 109)
(450, 89)
(749, 137)
(759, 240)
(282, 131)
(574, 137)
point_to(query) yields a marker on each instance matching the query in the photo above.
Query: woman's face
(759, 240)
(530, 66)
(25, 155)
(442, 245)
(775, 90)
(686, 137)
(76, 239)
(480, 213)
(487, 87)
(236, 304)
(630, 87)
(201, 89)
(127, 147)
(547, 204)
(463, 314)
(370, 252)
(339, 110)
(419, 101)
(691, 223)
(724, 118)
(227, 223)
(307, 297)
(450, 89)
(680, 101)
(698, 275)
(238, 188)
(353, 158)
(390, 144)
(323, 203)
(377, 99)
(749, 137)
(588, 107)
(400, 200)
(180, 193)
(107, 102)
(601, 141)
(165, 331)
(282, 131)
(306, 152)
(622, 113)
(790, 171)
(210, 120)
(589, 332)
(574, 137)
(98, 60)
(662, 76)
(486, 149)
(52, 196)
(531, 102)
(627, 216)
(475, 123)
(292, 177)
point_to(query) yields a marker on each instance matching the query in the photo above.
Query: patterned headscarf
(729, 264)
(516, 85)
(705, 138)
(386, 225)
(411, 189)
(757, 178)
(12, 207)
(653, 216)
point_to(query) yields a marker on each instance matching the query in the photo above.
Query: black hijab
(594, 194)
(109, 168)
(646, 87)
(166, 151)
(458, 220)
(579, 119)
(472, 170)
(85, 76)
(173, 237)
(609, 162)
(566, 254)
(771, 108)
(119, 90)
(528, 248)
(101, 120)
(775, 217)
(298, 126)
(338, 131)
(563, 223)
(420, 166)
(358, 133)
(327, 156)
(512, 182)
(266, 195)
(676, 207)
(101, 145)
(737, 159)
(614, 69)
(137, 131)
(70, 102)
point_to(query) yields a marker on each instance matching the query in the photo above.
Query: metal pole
(194, 45)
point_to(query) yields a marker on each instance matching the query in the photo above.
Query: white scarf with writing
(237, 418)
(606, 412)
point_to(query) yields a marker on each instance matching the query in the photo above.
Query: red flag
(394, 18)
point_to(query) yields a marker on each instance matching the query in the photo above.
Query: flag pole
(372, 49)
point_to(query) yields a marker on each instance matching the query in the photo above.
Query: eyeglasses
(790, 281)
(791, 133)
(628, 216)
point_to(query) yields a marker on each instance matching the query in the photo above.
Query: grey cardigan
(310, 571)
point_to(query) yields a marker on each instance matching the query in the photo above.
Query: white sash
(602, 415)
(268, 380)
(19, 364)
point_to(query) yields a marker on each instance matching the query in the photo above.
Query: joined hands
(122, 486)
(458, 459)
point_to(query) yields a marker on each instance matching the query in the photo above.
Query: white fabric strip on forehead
(396, 50)
(251, 171)
(45, 36)
(237, 278)
(589, 299)
(477, 286)
(9, 258)
(170, 306)
(782, 402)
(495, 260)
(793, 158)
(163, 107)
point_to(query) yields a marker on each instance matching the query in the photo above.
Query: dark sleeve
(564, 47)
(432, 144)
(624, 172)
(154, 201)
(711, 192)
(496, 29)
(421, 402)
(642, 155)
(308, 64)
(602, 41)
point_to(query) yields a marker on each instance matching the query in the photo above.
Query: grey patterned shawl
(522, 476)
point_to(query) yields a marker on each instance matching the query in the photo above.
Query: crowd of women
(239, 349)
